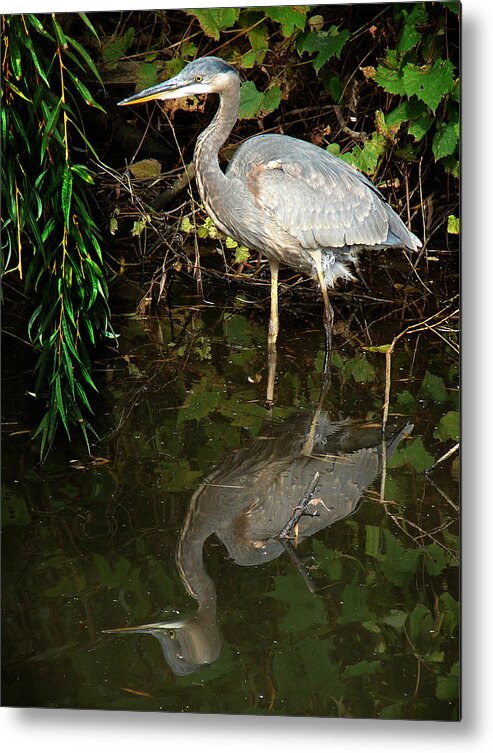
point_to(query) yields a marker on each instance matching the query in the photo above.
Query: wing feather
(315, 197)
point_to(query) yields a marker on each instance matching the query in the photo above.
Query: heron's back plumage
(309, 200)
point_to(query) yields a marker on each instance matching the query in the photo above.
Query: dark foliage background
(377, 84)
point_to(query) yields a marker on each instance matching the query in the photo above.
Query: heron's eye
(198, 78)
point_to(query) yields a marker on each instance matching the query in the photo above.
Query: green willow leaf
(89, 25)
(84, 92)
(49, 128)
(82, 52)
(17, 91)
(35, 60)
(60, 404)
(83, 397)
(59, 32)
(67, 193)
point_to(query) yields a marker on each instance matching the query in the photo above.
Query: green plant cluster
(407, 90)
(414, 68)
(50, 240)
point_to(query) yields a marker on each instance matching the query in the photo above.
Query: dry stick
(357, 135)
(299, 509)
(299, 564)
(413, 329)
(197, 271)
(444, 457)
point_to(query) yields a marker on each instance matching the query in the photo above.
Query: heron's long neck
(211, 181)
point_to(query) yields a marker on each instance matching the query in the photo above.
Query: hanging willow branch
(50, 240)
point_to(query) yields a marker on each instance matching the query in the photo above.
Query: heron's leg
(271, 376)
(328, 310)
(273, 332)
(274, 306)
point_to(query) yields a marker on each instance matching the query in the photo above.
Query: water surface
(174, 521)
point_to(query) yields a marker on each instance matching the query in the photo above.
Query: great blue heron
(289, 199)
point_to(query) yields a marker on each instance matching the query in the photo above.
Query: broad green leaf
(436, 559)
(389, 76)
(453, 224)
(289, 16)
(396, 618)
(373, 542)
(410, 35)
(214, 20)
(430, 83)
(360, 369)
(433, 387)
(117, 47)
(420, 126)
(326, 44)
(420, 623)
(200, 402)
(448, 426)
(254, 103)
(399, 563)
(362, 668)
(392, 711)
(259, 40)
(366, 158)
(146, 76)
(414, 454)
(354, 606)
(450, 609)
(445, 140)
(242, 254)
(447, 688)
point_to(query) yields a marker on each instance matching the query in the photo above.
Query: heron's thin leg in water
(328, 310)
(274, 306)
(271, 376)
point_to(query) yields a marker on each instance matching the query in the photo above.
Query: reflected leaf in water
(247, 503)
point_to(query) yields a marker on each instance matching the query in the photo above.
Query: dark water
(175, 520)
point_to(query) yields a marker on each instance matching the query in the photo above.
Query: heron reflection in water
(291, 200)
(249, 501)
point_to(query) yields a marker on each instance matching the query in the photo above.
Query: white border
(53, 731)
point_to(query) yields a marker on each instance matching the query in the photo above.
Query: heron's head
(202, 76)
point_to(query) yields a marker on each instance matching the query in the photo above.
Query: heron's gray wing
(320, 204)
(314, 196)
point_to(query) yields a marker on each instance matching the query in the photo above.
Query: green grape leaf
(254, 103)
(453, 224)
(429, 83)
(326, 44)
(214, 20)
(388, 74)
(289, 16)
(445, 140)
